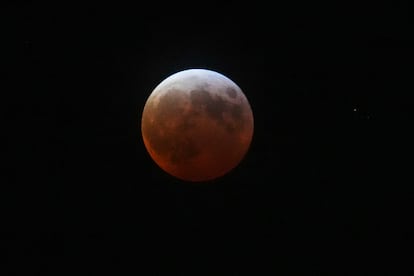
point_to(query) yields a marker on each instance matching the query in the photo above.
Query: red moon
(197, 125)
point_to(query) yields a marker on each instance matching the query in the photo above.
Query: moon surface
(197, 125)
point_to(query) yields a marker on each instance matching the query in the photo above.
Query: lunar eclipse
(197, 125)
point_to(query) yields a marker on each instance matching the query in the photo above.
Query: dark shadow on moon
(170, 108)
(216, 107)
(185, 149)
(231, 92)
(170, 120)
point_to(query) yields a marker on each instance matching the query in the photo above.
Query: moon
(197, 125)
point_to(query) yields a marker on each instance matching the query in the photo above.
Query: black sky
(322, 191)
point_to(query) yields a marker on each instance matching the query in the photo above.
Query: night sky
(323, 189)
